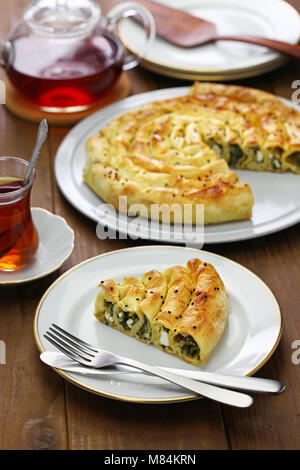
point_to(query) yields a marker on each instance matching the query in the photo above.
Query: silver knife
(250, 384)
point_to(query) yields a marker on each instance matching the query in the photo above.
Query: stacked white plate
(223, 60)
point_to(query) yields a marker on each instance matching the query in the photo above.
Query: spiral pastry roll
(177, 152)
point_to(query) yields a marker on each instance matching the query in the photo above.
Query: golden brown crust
(178, 296)
(239, 93)
(162, 154)
(182, 311)
(222, 200)
(167, 152)
(156, 288)
(206, 316)
(267, 123)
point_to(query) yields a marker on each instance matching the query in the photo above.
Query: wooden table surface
(39, 410)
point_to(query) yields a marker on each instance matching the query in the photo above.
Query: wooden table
(39, 410)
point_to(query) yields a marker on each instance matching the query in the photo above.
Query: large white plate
(251, 335)
(267, 18)
(277, 201)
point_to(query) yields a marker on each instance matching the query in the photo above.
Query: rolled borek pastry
(181, 311)
(178, 297)
(131, 306)
(203, 322)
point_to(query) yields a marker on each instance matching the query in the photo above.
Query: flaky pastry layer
(181, 311)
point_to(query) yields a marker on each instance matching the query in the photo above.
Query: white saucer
(55, 247)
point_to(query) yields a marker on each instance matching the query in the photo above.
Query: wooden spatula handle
(291, 50)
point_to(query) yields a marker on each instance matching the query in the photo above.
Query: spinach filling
(127, 320)
(217, 148)
(294, 158)
(188, 345)
(256, 154)
(108, 307)
(108, 315)
(235, 154)
(145, 332)
(276, 163)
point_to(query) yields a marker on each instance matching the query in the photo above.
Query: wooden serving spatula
(184, 30)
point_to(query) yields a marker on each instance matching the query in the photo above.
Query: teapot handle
(125, 10)
(5, 53)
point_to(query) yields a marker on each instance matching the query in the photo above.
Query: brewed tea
(68, 74)
(18, 235)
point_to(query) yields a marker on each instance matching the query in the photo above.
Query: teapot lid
(63, 18)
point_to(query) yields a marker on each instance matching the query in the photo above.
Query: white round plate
(277, 202)
(250, 337)
(56, 243)
(273, 19)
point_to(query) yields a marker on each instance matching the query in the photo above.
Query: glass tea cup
(65, 55)
(19, 238)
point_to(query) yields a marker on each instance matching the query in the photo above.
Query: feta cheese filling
(164, 339)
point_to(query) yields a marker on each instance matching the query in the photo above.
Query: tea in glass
(18, 236)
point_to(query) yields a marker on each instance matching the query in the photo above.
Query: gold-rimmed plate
(251, 335)
(222, 60)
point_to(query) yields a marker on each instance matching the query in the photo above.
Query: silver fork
(91, 356)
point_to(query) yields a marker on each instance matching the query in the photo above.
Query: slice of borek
(181, 311)
(180, 288)
(155, 285)
(118, 305)
(131, 306)
(200, 328)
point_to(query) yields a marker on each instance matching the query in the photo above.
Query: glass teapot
(64, 55)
